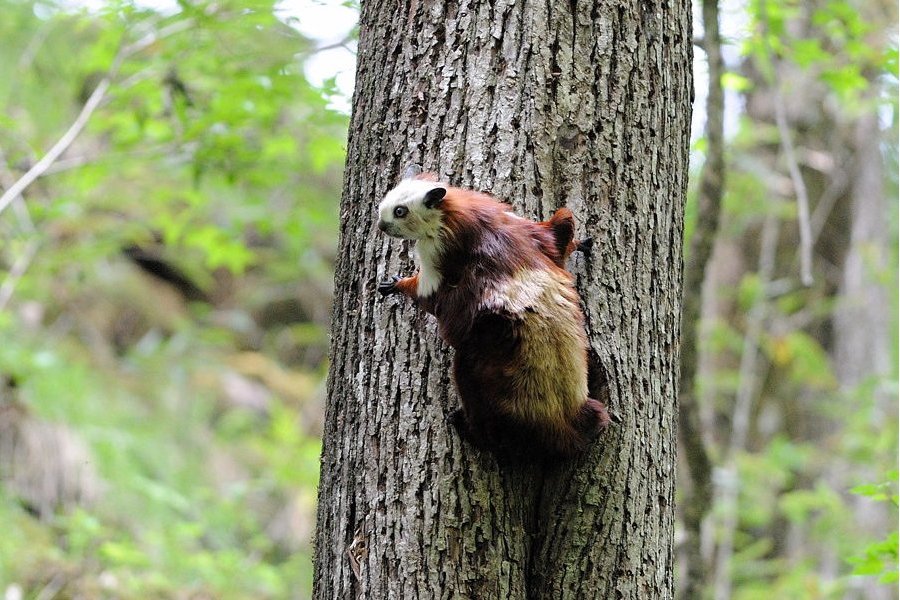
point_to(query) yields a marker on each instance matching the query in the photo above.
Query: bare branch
(836, 187)
(152, 38)
(20, 265)
(54, 153)
(787, 146)
(16, 271)
(727, 478)
(344, 43)
(87, 110)
(7, 179)
(172, 154)
(34, 44)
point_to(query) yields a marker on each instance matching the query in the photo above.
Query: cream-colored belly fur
(551, 376)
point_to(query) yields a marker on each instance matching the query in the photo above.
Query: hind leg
(567, 438)
(591, 418)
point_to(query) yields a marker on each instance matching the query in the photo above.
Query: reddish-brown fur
(486, 243)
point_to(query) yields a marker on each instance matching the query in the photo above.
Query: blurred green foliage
(820, 454)
(211, 154)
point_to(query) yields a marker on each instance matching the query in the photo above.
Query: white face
(408, 211)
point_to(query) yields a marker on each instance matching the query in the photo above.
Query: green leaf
(803, 356)
(808, 51)
(875, 491)
(738, 83)
(750, 291)
(845, 80)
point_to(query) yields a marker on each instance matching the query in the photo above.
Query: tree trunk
(862, 337)
(585, 105)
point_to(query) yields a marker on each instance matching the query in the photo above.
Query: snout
(389, 228)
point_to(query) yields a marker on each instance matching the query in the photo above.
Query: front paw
(386, 288)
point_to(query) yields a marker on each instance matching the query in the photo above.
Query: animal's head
(412, 210)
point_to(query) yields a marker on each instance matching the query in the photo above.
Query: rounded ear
(411, 171)
(434, 197)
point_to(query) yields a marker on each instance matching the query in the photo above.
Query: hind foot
(592, 418)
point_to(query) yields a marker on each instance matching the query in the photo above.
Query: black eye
(401, 211)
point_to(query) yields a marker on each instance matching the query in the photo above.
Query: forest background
(165, 290)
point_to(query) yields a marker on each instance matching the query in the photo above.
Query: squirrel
(505, 302)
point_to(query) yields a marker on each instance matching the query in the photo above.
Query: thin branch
(23, 215)
(87, 110)
(75, 162)
(34, 44)
(138, 77)
(787, 147)
(67, 164)
(54, 153)
(712, 185)
(7, 179)
(153, 37)
(836, 188)
(20, 265)
(341, 44)
(727, 478)
(17, 271)
(25, 60)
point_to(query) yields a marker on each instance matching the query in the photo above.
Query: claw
(585, 245)
(388, 287)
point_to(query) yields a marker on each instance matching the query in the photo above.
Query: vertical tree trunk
(861, 345)
(697, 494)
(542, 104)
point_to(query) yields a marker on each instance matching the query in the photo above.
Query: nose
(382, 226)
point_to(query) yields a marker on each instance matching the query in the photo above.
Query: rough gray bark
(543, 104)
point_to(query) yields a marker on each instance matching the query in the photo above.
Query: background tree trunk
(585, 105)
